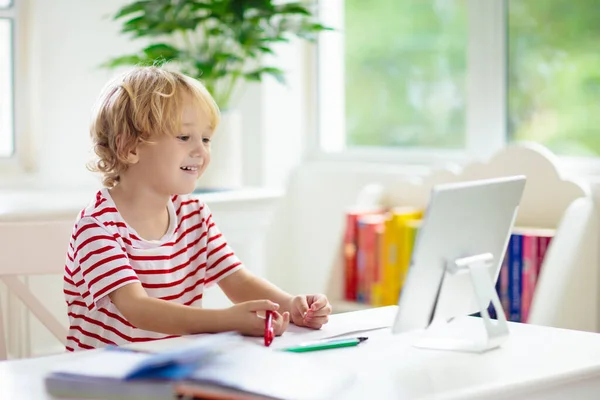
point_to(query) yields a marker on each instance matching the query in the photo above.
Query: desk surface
(535, 363)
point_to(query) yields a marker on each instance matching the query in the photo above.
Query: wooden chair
(32, 248)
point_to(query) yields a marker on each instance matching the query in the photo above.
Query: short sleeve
(221, 260)
(101, 263)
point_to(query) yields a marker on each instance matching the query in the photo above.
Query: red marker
(269, 333)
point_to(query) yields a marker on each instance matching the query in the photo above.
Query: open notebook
(213, 366)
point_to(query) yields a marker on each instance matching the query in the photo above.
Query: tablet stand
(439, 336)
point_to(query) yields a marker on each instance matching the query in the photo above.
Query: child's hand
(310, 310)
(245, 319)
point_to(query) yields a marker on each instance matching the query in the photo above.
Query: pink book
(530, 261)
(535, 243)
(543, 244)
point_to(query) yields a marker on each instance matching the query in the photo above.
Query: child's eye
(183, 138)
(205, 140)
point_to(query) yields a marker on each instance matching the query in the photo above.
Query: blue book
(515, 273)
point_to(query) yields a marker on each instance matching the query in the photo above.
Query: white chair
(31, 248)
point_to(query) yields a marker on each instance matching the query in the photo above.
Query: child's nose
(200, 148)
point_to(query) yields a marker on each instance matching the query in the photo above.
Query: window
(554, 74)
(6, 78)
(460, 77)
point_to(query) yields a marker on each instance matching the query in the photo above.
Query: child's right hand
(246, 320)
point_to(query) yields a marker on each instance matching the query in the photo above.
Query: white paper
(339, 325)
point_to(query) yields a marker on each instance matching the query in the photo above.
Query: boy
(142, 251)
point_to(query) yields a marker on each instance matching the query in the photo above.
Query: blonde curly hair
(135, 106)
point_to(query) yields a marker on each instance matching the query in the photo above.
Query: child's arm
(158, 315)
(166, 317)
(243, 285)
(305, 310)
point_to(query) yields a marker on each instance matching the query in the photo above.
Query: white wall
(66, 42)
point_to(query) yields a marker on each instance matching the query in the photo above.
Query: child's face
(173, 164)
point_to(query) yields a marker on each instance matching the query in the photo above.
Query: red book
(350, 252)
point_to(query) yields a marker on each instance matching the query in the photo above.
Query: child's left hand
(311, 310)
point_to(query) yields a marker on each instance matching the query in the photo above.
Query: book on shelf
(211, 366)
(350, 250)
(521, 267)
(379, 245)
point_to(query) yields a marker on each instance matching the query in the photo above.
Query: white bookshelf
(566, 294)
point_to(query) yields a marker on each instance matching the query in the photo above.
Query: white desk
(536, 363)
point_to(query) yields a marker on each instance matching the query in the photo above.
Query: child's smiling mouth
(190, 169)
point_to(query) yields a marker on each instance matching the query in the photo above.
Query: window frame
(486, 109)
(22, 160)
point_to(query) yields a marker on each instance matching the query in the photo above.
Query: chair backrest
(34, 247)
(31, 248)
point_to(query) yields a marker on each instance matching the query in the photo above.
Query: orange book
(368, 225)
(373, 261)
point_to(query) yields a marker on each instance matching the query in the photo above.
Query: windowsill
(421, 158)
(368, 167)
(422, 163)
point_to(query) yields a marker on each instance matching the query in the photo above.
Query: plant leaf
(131, 59)
(223, 40)
(316, 27)
(132, 8)
(161, 50)
(266, 50)
(292, 8)
(198, 5)
(257, 74)
(225, 56)
(135, 24)
(276, 73)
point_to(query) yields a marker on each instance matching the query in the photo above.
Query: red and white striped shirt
(105, 254)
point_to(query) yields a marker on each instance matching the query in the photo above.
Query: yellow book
(412, 228)
(389, 250)
(392, 249)
(407, 233)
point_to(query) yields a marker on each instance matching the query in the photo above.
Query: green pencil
(327, 344)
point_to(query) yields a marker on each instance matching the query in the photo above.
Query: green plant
(220, 42)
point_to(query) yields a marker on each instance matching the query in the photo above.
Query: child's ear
(133, 156)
